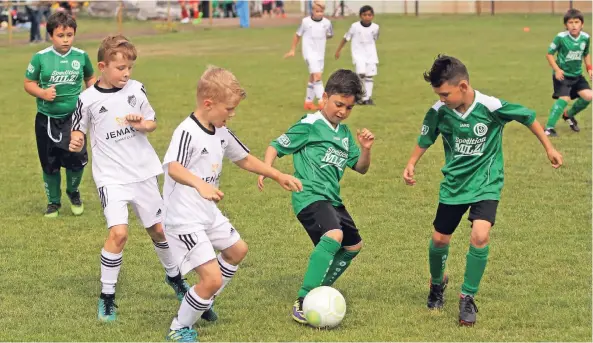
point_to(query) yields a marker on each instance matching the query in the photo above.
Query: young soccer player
(315, 31)
(194, 226)
(55, 77)
(125, 166)
(572, 48)
(322, 147)
(471, 125)
(363, 34)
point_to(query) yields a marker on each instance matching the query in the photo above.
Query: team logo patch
(132, 100)
(121, 121)
(75, 65)
(480, 129)
(345, 143)
(283, 140)
(583, 45)
(424, 130)
(30, 68)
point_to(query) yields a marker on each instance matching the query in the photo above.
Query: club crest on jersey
(75, 65)
(345, 143)
(424, 130)
(120, 121)
(583, 45)
(283, 140)
(480, 129)
(132, 100)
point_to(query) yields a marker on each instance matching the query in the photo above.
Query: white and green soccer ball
(324, 307)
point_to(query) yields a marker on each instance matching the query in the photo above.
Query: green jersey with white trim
(320, 155)
(474, 167)
(570, 51)
(67, 72)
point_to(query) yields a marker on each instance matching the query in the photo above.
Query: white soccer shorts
(315, 65)
(366, 69)
(193, 245)
(144, 196)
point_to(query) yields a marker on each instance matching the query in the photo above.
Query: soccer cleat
(106, 309)
(571, 121)
(297, 311)
(467, 310)
(52, 210)
(370, 102)
(550, 133)
(182, 335)
(209, 315)
(310, 106)
(179, 285)
(75, 203)
(436, 297)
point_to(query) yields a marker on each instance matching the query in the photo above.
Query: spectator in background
(242, 7)
(32, 8)
(279, 10)
(267, 8)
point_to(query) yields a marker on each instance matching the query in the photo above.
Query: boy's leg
(582, 92)
(562, 95)
(198, 255)
(446, 221)
(310, 95)
(50, 165)
(351, 246)
(74, 162)
(371, 71)
(483, 216)
(316, 70)
(320, 219)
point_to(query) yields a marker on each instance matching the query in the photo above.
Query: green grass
(537, 285)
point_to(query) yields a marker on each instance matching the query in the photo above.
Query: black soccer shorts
(448, 217)
(321, 217)
(53, 138)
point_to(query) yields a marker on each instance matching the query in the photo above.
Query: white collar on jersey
(327, 122)
(57, 53)
(471, 108)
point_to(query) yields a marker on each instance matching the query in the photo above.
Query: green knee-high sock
(578, 106)
(73, 179)
(474, 269)
(319, 262)
(555, 113)
(342, 260)
(437, 258)
(52, 187)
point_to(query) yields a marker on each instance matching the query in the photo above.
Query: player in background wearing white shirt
(194, 225)
(363, 34)
(125, 166)
(315, 31)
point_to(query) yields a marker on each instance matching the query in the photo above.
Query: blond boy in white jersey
(363, 35)
(315, 30)
(194, 225)
(125, 166)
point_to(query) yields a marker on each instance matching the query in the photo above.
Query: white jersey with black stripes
(201, 151)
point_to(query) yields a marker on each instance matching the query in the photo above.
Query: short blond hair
(319, 3)
(114, 44)
(219, 84)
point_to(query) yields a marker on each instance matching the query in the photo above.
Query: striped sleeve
(80, 118)
(181, 148)
(235, 149)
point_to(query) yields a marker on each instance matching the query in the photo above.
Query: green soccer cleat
(106, 309)
(179, 285)
(52, 210)
(182, 335)
(76, 205)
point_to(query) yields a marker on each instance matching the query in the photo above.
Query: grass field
(537, 285)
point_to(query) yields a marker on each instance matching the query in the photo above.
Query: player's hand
(136, 121)
(365, 138)
(555, 158)
(290, 183)
(260, 182)
(409, 175)
(209, 192)
(49, 94)
(76, 143)
(559, 75)
(289, 54)
(337, 55)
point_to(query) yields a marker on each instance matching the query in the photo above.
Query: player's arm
(552, 49)
(80, 124)
(330, 31)
(340, 47)
(295, 40)
(428, 135)
(509, 112)
(146, 120)
(587, 59)
(32, 77)
(359, 159)
(255, 165)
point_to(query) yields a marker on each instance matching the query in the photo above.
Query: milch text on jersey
(61, 77)
(335, 158)
(469, 146)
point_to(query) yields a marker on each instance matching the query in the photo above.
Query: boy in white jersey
(194, 226)
(125, 166)
(315, 31)
(363, 34)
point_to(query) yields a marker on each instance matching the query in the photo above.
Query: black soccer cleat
(467, 310)
(52, 210)
(550, 133)
(370, 102)
(571, 121)
(436, 297)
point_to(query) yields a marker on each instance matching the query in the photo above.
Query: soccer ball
(324, 307)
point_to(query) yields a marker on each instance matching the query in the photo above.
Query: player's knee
(212, 283)
(479, 238)
(565, 98)
(156, 232)
(236, 253)
(316, 77)
(118, 235)
(440, 240)
(336, 235)
(356, 247)
(587, 95)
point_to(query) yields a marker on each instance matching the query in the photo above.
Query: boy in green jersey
(572, 47)
(55, 77)
(471, 125)
(322, 148)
